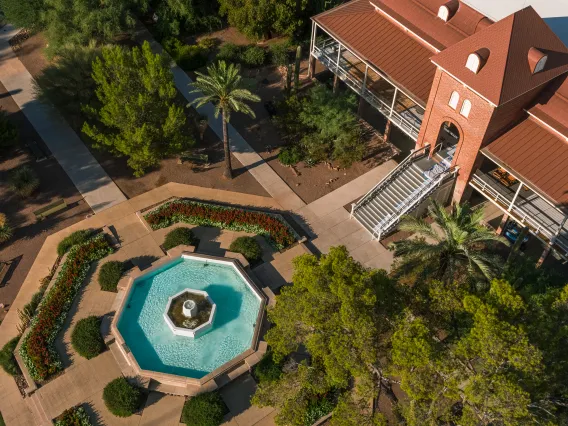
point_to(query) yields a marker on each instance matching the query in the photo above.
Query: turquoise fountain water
(153, 344)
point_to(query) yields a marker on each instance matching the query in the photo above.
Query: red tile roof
(507, 74)
(371, 36)
(552, 105)
(421, 17)
(537, 156)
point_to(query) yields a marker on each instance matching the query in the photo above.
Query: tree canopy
(441, 354)
(23, 13)
(260, 19)
(137, 114)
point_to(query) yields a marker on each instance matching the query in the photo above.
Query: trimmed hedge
(248, 247)
(77, 237)
(275, 230)
(86, 338)
(110, 274)
(206, 409)
(37, 350)
(179, 236)
(7, 359)
(76, 416)
(121, 398)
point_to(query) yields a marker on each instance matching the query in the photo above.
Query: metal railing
(325, 52)
(518, 214)
(394, 172)
(417, 196)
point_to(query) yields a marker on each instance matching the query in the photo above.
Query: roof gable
(506, 73)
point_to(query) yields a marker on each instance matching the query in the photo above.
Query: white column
(393, 100)
(338, 54)
(515, 196)
(312, 44)
(364, 80)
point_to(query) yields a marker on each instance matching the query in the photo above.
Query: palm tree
(224, 88)
(454, 243)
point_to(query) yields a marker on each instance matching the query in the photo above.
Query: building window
(466, 108)
(443, 13)
(540, 64)
(473, 62)
(454, 99)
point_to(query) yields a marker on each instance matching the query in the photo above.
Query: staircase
(399, 193)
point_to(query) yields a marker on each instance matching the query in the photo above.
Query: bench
(194, 158)
(36, 151)
(50, 209)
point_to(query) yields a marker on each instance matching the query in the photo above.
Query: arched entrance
(448, 138)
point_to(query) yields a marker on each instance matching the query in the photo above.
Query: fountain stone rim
(189, 332)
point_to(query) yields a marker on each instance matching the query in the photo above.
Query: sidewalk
(96, 187)
(257, 167)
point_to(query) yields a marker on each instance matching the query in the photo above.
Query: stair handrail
(416, 195)
(391, 174)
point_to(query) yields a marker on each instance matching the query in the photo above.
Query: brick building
(485, 104)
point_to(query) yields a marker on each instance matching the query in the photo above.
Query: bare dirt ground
(31, 55)
(29, 235)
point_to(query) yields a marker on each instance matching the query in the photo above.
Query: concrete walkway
(261, 171)
(96, 187)
(330, 224)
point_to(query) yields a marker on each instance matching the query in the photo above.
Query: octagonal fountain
(190, 316)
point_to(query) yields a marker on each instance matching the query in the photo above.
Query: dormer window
(537, 60)
(454, 99)
(473, 63)
(447, 10)
(466, 108)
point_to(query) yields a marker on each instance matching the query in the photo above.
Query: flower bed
(76, 416)
(37, 350)
(196, 213)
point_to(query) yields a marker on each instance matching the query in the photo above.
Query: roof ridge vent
(448, 10)
(537, 60)
(476, 60)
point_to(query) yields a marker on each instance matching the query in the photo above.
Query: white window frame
(473, 62)
(454, 99)
(444, 13)
(540, 64)
(465, 108)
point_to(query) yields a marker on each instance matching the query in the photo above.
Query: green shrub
(8, 132)
(2, 422)
(179, 236)
(188, 57)
(207, 43)
(317, 409)
(76, 416)
(230, 52)
(121, 398)
(6, 231)
(253, 56)
(248, 247)
(291, 155)
(206, 409)
(267, 370)
(110, 274)
(86, 338)
(77, 237)
(280, 54)
(24, 181)
(7, 359)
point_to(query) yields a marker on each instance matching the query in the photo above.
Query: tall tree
(495, 371)
(189, 15)
(455, 244)
(338, 311)
(259, 19)
(223, 86)
(67, 82)
(23, 13)
(79, 21)
(137, 114)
